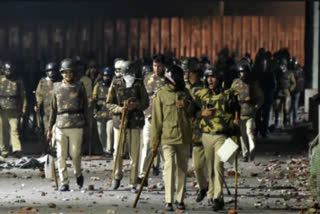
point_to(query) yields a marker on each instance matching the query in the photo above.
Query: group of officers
(182, 106)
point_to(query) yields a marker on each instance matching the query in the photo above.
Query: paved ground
(274, 183)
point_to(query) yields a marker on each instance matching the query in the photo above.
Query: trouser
(199, 166)
(146, 150)
(282, 104)
(10, 120)
(105, 131)
(175, 161)
(247, 136)
(68, 140)
(132, 137)
(212, 144)
(295, 106)
(265, 113)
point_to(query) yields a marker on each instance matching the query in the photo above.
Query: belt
(70, 112)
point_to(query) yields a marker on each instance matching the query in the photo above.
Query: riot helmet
(189, 65)
(174, 76)
(51, 70)
(8, 69)
(211, 71)
(117, 66)
(106, 76)
(66, 65)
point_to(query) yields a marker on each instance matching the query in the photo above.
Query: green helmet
(189, 65)
(127, 68)
(67, 65)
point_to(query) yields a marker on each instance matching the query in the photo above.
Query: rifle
(123, 124)
(154, 154)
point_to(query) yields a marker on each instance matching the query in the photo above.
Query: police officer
(295, 95)
(44, 92)
(171, 109)
(101, 114)
(193, 84)
(69, 108)
(127, 89)
(13, 102)
(216, 124)
(117, 67)
(286, 83)
(250, 98)
(153, 82)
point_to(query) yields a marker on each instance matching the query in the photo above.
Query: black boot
(155, 171)
(180, 206)
(201, 194)
(80, 181)
(169, 207)
(64, 188)
(116, 184)
(218, 204)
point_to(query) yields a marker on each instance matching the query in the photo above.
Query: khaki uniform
(153, 83)
(69, 108)
(250, 98)
(44, 93)
(103, 117)
(198, 156)
(286, 83)
(171, 126)
(117, 95)
(12, 101)
(215, 130)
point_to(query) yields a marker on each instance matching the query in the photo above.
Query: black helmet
(244, 66)
(189, 65)
(8, 69)
(92, 64)
(211, 71)
(174, 75)
(51, 66)
(66, 65)
(204, 59)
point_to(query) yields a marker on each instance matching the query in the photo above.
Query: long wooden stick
(122, 129)
(146, 175)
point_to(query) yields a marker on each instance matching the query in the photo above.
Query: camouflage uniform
(286, 83)
(103, 117)
(44, 93)
(69, 107)
(153, 83)
(117, 95)
(250, 98)
(215, 130)
(198, 157)
(12, 101)
(171, 126)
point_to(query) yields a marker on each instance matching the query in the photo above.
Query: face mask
(129, 79)
(118, 74)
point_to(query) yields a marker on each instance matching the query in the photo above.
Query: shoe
(245, 159)
(133, 190)
(155, 171)
(169, 207)
(17, 154)
(116, 184)
(180, 206)
(210, 202)
(80, 181)
(107, 155)
(139, 181)
(217, 204)
(64, 188)
(201, 194)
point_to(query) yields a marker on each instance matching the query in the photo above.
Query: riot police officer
(171, 109)
(13, 103)
(127, 92)
(101, 114)
(69, 107)
(193, 84)
(250, 98)
(216, 110)
(44, 92)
